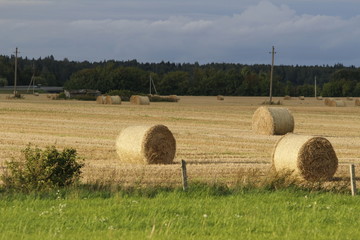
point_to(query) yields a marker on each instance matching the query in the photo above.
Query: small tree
(43, 169)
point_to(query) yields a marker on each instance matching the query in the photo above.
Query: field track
(213, 136)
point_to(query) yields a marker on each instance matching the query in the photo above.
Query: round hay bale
(328, 101)
(312, 158)
(287, 97)
(100, 99)
(357, 102)
(220, 97)
(302, 98)
(174, 98)
(336, 103)
(349, 98)
(139, 100)
(112, 100)
(272, 121)
(319, 98)
(146, 144)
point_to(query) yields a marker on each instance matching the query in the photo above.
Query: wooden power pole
(272, 71)
(15, 77)
(315, 87)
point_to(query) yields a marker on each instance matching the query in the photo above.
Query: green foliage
(3, 82)
(85, 97)
(185, 79)
(42, 169)
(62, 95)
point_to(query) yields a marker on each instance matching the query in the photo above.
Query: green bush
(62, 95)
(42, 169)
(85, 97)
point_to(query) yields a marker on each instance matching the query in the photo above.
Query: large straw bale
(301, 97)
(112, 100)
(310, 157)
(272, 121)
(334, 102)
(357, 102)
(146, 144)
(338, 103)
(139, 100)
(175, 98)
(220, 97)
(319, 98)
(100, 99)
(328, 101)
(287, 97)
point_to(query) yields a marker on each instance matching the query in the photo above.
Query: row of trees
(185, 78)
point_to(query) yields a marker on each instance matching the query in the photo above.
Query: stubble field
(214, 137)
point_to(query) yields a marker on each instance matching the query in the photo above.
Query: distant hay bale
(349, 98)
(319, 98)
(287, 97)
(357, 102)
(112, 100)
(54, 96)
(334, 103)
(301, 97)
(36, 94)
(220, 97)
(272, 121)
(139, 100)
(328, 101)
(100, 99)
(312, 158)
(146, 144)
(175, 98)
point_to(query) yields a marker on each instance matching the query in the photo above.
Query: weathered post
(184, 175)
(353, 180)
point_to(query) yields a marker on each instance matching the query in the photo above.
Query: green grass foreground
(201, 213)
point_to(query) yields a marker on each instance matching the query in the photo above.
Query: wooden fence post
(184, 175)
(352, 179)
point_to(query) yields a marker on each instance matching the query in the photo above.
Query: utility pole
(315, 87)
(15, 77)
(272, 71)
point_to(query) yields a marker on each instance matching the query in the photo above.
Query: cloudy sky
(304, 32)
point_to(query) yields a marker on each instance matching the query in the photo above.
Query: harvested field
(214, 137)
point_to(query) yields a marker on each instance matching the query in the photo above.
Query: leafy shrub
(43, 169)
(85, 97)
(62, 95)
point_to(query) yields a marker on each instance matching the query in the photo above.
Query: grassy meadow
(147, 202)
(201, 213)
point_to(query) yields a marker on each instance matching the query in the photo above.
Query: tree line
(184, 78)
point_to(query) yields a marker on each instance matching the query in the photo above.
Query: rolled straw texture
(328, 101)
(146, 144)
(336, 103)
(112, 100)
(220, 97)
(100, 99)
(272, 121)
(139, 100)
(287, 97)
(312, 158)
(357, 102)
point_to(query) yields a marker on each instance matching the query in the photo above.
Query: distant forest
(184, 78)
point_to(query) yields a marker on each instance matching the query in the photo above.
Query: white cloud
(69, 29)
